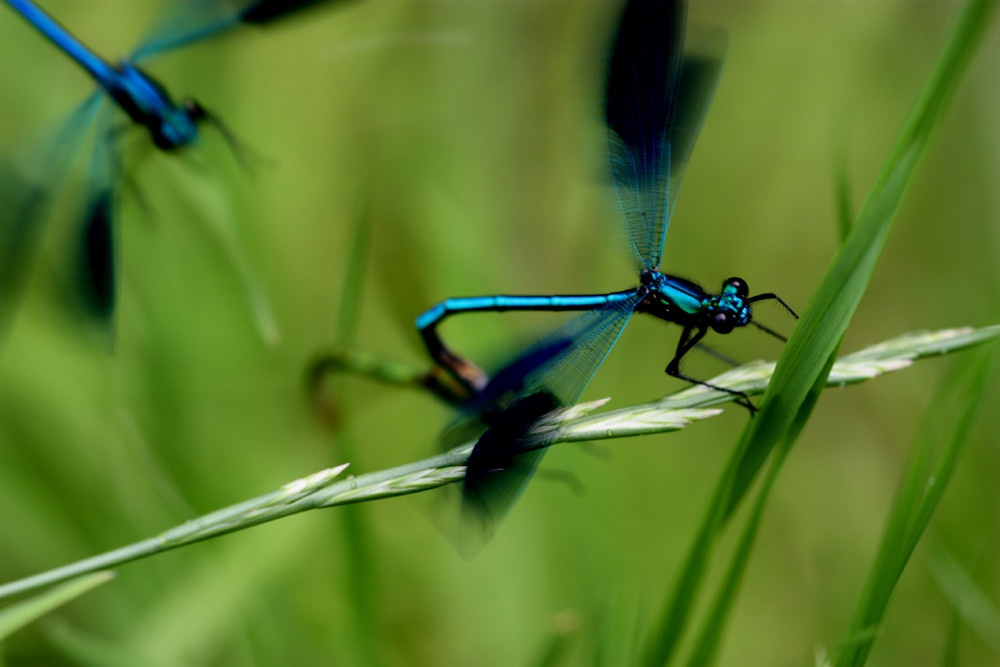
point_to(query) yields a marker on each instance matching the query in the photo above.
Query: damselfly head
(736, 286)
(195, 111)
(647, 277)
(177, 129)
(731, 308)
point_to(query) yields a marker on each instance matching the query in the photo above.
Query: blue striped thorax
(684, 302)
(147, 102)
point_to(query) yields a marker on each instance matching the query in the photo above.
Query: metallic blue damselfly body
(655, 99)
(172, 125)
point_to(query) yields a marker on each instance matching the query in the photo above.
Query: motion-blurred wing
(93, 281)
(504, 387)
(655, 100)
(507, 454)
(27, 192)
(195, 20)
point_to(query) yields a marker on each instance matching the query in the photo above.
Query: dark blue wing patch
(645, 65)
(270, 10)
(658, 91)
(97, 258)
(504, 458)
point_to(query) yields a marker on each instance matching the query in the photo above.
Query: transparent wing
(505, 385)
(655, 100)
(593, 335)
(27, 191)
(506, 456)
(195, 20)
(186, 22)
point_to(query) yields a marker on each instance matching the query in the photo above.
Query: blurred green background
(466, 135)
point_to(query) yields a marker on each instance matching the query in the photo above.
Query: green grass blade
(564, 634)
(955, 410)
(843, 196)
(950, 655)
(23, 613)
(354, 280)
(834, 302)
(709, 640)
(359, 574)
(324, 489)
(971, 602)
(823, 324)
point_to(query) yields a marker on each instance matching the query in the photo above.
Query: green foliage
(808, 357)
(466, 136)
(923, 483)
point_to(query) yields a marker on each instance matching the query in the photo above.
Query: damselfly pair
(656, 96)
